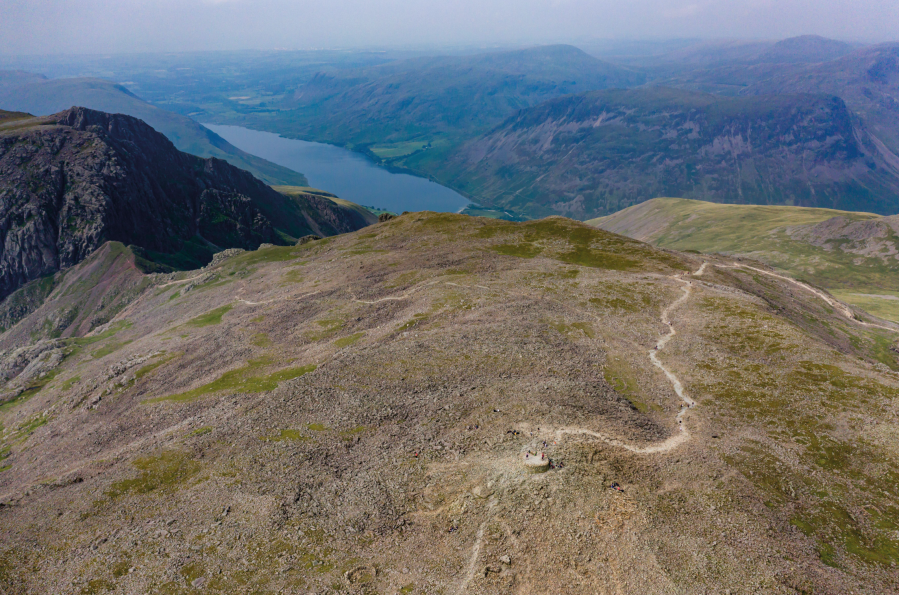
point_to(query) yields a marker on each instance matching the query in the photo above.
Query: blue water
(344, 173)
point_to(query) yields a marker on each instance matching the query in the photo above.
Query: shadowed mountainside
(72, 181)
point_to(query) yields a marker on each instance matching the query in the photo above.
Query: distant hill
(852, 254)
(37, 95)
(808, 49)
(867, 80)
(72, 181)
(451, 95)
(596, 153)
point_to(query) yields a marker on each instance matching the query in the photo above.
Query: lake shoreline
(351, 175)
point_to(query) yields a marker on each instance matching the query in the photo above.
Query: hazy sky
(99, 26)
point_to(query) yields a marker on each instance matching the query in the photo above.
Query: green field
(399, 149)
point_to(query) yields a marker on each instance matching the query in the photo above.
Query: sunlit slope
(853, 255)
(355, 415)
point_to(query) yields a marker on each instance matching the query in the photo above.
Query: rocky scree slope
(596, 153)
(352, 415)
(72, 181)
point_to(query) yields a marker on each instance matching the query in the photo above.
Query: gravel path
(839, 306)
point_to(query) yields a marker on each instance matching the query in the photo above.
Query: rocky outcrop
(72, 181)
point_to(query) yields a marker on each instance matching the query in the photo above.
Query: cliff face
(597, 153)
(72, 181)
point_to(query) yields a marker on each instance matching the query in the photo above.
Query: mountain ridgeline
(36, 94)
(75, 180)
(598, 152)
(423, 98)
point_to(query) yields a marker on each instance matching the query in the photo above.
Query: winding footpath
(683, 434)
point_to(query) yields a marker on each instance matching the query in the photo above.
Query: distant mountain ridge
(38, 95)
(444, 95)
(72, 181)
(596, 153)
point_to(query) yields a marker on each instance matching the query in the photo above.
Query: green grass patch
(69, 383)
(416, 318)
(522, 250)
(108, 333)
(241, 380)
(202, 431)
(293, 435)
(569, 329)
(329, 327)
(261, 340)
(29, 426)
(318, 427)
(347, 341)
(270, 254)
(402, 149)
(31, 390)
(210, 318)
(293, 276)
(109, 348)
(152, 366)
(163, 472)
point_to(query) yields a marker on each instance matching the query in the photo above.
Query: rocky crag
(75, 180)
(596, 153)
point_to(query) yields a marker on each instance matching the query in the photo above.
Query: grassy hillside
(43, 97)
(851, 254)
(359, 415)
(345, 207)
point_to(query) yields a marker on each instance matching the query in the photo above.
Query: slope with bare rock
(72, 181)
(370, 413)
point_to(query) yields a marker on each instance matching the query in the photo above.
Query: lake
(344, 173)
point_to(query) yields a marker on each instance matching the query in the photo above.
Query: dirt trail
(472, 570)
(683, 433)
(179, 281)
(294, 299)
(839, 306)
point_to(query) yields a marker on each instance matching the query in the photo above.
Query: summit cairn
(535, 462)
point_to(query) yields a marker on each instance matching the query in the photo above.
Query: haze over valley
(538, 297)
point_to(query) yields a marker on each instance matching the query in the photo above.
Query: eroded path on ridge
(667, 445)
(683, 434)
(838, 306)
